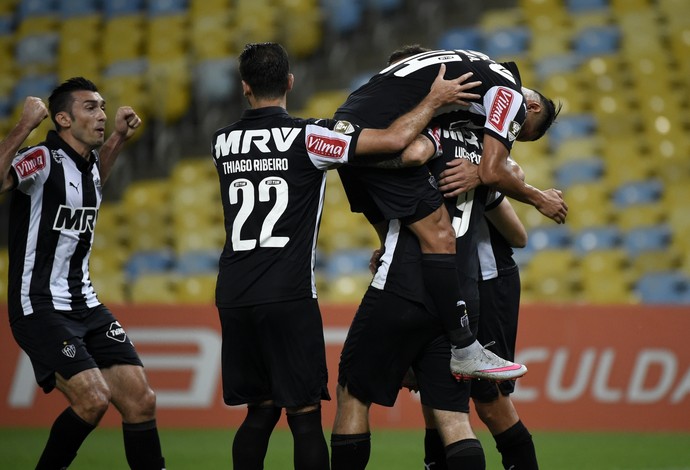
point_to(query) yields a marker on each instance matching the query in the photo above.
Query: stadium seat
(111, 287)
(115, 8)
(638, 192)
(551, 275)
(596, 41)
(501, 18)
(37, 51)
(584, 170)
(506, 42)
(556, 62)
(646, 238)
(639, 215)
(197, 262)
(156, 288)
(461, 38)
(571, 126)
(197, 289)
(303, 31)
(580, 6)
(75, 8)
(605, 237)
(655, 261)
(29, 8)
(588, 205)
(215, 79)
(145, 262)
(549, 237)
(670, 287)
(344, 289)
(123, 38)
(347, 262)
(165, 7)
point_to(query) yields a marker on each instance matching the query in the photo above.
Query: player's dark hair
(265, 68)
(406, 51)
(550, 111)
(61, 98)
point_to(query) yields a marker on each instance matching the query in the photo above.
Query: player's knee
(92, 405)
(147, 404)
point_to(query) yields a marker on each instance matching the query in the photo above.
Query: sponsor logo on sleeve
(513, 130)
(343, 127)
(498, 113)
(326, 146)
(30, 163)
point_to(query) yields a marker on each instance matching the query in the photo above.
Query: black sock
(310, 448)
(434, 451)
(517, 448)
(251, 439)
(143, 446)
(66, 436)
(466, 454)
(350, 451)
(443, 283)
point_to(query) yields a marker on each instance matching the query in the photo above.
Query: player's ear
(63, 119)
(246, 89)
(291, 81)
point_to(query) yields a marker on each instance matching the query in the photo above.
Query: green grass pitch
(194, 449)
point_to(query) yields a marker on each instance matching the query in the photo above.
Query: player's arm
(508, 224)
(126, 123)
(407, 127)
(494, 172)
(33, 113)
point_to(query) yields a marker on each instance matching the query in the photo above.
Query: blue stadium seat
(216, 79)
(461, 38)
(155, 261)
(505, 42)
(597, 40)
(36, 85)
(347, 262)
(113, 8)
(36, 8)
(571, 126)
(549, 237)
(384, 6)
(584, 170)
(343, 16)
(197, 262)
(166, 7)
(37, 49)
(6, 25)
(597, 238)
(552, 64)
(582, 6)
(666, 287)
(647, 238)
(73, 8)
(638, 192)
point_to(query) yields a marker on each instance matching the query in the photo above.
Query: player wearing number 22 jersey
(272, 181)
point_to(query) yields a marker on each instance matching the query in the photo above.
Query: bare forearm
(109, 152)
(8, 149)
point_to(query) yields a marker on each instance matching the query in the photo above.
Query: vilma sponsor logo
(116, 332)
(327, 147)
(30, 164)
(499, 108)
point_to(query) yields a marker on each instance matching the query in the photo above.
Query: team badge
(513, 130)
(57, 157)
(116, 332)
(343, 127)
(69, 350)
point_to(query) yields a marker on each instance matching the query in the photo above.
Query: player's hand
(459, 177)
(553, 206)
(126, 121)
(375, 260)
(34, 112)
(445, 92)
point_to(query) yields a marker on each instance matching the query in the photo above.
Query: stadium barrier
(591, 368)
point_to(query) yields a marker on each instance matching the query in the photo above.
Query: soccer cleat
(476, 362)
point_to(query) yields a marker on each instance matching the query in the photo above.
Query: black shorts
(498, 321)
(388, 335)
(275, 352)
(408, 194)
(70, 342)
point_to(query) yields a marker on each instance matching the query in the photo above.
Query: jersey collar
(264, 112)
(55, 142)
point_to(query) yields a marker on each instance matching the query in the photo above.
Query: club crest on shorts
(116, 332)
(69, 350)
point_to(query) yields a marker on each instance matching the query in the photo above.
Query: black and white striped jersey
(271, 168)
(53, 214)
(399, 87)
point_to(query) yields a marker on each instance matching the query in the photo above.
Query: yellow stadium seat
(616, 290)
(154, 288)
(588, 205)
(110, 287)
(655, 260)
(166, 37)
(346, 289)
(211, 36)
(123, 38)
(302, 33)
(169, 88)
(551, 275)
(197, 289)
(501, 18)
(147, 214)
(638, 215)
(627, 6)
(577, 148)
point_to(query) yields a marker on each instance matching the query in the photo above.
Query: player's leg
(468, 358)
(136, 402)
(351, 436)
(60, 358)
(250, 444)
(445, 405)
(88, 394)
(310, 448)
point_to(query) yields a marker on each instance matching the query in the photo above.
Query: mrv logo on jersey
(75, 219)
(244, 141)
